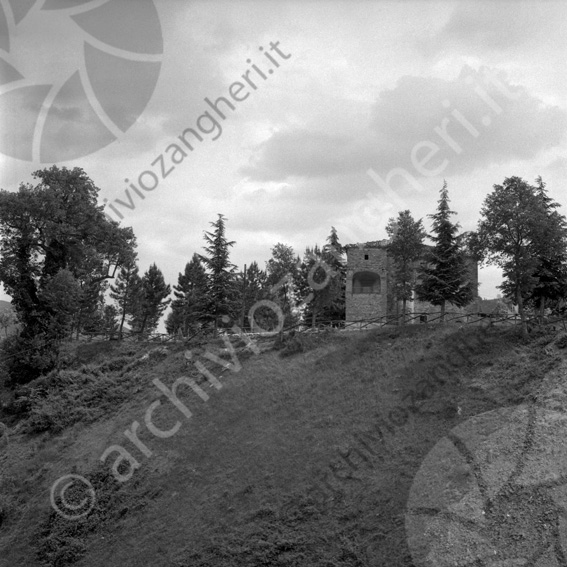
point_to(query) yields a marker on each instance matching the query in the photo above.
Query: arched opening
(366, 282)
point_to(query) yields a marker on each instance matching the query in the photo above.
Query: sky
(335, 113)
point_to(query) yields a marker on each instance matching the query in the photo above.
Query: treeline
(212, 292)
(60, 253)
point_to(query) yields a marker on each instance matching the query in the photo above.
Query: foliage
(445, 277)
(110, 320)
(126, 291)
(52, 227)
(551, 273)
(188, 307)
(405, 248)
(8, 318)
(221, 297)
(521, 232)
(321, 281)
(252, 287)
(152, 301)
(281, 271)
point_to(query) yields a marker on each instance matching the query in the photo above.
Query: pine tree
(551, 273)
(126, 292)
(252, 287)
(321, 281)
(220, 272)
(333, 255)
(188, 307)
(109, 320)
(310, 280)
(445, 275)
(405, 248)
(152, 301)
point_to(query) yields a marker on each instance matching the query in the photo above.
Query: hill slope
(307, 459)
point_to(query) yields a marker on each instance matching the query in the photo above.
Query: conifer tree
(252, 287)
(333, 255)
(110, 320)
(405, 248)
(551, 273)
(445, 276)
(221, 300)
(188, 308)
(152, 301)
(126, 292)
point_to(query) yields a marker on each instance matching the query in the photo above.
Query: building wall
(366, 305)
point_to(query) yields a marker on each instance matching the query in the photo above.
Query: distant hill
(5, 305)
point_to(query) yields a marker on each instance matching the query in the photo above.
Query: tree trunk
(442, 312)
(404, 303)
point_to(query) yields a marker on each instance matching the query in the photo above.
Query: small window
(366, 256)
(366, 282)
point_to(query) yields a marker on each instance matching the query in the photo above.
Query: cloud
(473, 121)
(305, 154)
(496, 26)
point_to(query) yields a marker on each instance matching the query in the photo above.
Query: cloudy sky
(348, 112)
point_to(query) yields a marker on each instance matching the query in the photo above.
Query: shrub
(561, 341)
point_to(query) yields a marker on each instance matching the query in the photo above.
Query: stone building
(369, 284)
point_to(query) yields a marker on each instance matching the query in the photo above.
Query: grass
(300, 459)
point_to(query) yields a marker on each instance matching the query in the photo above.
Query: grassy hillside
(304, 456)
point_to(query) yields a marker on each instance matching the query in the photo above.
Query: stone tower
(368, 292)
(366, 280)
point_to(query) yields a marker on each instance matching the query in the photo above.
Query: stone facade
(369, 285)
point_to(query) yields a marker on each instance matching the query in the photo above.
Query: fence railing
(423, 318)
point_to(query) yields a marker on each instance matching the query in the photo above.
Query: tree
(445, 277)
(88, 316)
(44, 229)
(220, 272)
(551, 273)
(252, 287)
(513, 233)
(7, 319)
(405, 248)
(126, 292)
(333, 255)
(152, 301)
(109, 321)
(188, 309)
(281, 271)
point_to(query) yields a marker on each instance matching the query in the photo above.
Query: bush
(65, 397)
(26, 358)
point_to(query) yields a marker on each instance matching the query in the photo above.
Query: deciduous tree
(53, 226)
(520, 232)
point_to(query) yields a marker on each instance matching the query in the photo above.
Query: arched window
(366, 282)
